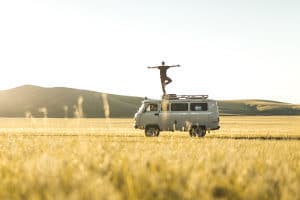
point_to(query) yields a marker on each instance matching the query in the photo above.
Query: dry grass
(249, 158)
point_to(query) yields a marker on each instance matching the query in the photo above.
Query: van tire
(152, 131)
(197, 131)
(192, 132)
(202, 132)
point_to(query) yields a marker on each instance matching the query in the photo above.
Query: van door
(150, 115)
(179, 116)
(164, 121)
(199, 113)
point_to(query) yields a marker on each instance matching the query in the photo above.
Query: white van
(194, 113)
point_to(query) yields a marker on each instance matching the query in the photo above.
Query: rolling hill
(64, 102)
(257, 107)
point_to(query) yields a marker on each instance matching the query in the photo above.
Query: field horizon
(60, 102)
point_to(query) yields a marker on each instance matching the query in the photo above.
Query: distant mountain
(257, 107)
(65, 102)
(61, 102)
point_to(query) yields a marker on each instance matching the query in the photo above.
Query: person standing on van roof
(165, 80)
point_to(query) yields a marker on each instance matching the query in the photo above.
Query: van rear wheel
(151, 131)
(193, 132)
(197, 131)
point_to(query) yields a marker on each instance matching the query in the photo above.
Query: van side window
(198, 106)
(179, 107)
(152, 107)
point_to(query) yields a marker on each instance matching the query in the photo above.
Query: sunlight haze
(226, 49)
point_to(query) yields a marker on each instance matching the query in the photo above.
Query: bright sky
(232, 49)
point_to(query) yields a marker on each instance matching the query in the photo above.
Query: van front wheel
(151, 131)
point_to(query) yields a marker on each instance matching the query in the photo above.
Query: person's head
(162, 63)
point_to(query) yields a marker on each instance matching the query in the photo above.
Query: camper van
(193, 113)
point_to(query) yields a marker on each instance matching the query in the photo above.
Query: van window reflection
(151, 108)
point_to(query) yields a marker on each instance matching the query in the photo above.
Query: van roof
(178, 100)
(175, 96)
(181, 98)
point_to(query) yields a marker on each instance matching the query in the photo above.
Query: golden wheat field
(248, 158)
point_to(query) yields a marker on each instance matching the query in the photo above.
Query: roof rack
(175, 96)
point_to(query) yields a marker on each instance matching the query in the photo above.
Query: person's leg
(168, 80)
(163, 87)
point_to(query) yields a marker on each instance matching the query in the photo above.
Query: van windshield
(141, 108)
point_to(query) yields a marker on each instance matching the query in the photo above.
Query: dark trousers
(165, 81)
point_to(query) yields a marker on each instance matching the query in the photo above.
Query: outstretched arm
(174, 66)
(152, 67)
